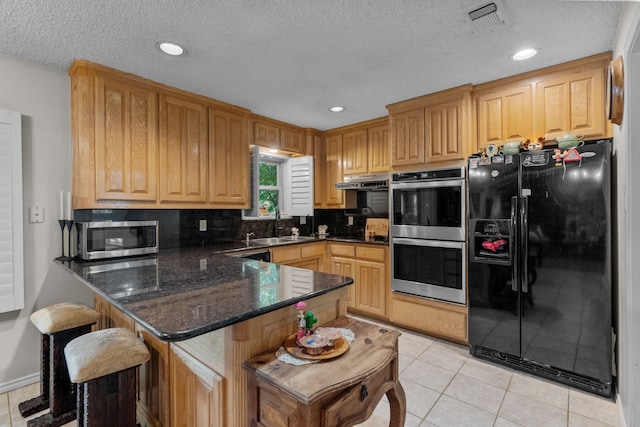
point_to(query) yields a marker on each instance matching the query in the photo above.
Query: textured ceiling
(292, 59)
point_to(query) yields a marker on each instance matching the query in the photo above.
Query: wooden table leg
(397, 405)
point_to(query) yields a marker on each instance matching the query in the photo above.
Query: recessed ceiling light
(336, 109)
(171, 48)
(523, 54)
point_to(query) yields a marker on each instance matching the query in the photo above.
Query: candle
(69, 214)
(61, 216)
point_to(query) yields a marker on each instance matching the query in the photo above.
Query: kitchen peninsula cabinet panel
(378, 152)
(355, 153)
(126, 140)
(505, 115)
(228, 159)
(183, 150)
(197, 392)
(407, 139)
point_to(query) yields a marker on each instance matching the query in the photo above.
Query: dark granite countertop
(182, 293)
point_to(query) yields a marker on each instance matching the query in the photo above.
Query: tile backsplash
(181, 227)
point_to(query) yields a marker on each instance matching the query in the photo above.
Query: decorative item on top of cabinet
(277, 135)
(228, 159)
(430, 129)
(615, 90)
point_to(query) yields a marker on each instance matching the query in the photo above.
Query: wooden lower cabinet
(447, 321)
(367, 265)
(197, 392)
(310, 256)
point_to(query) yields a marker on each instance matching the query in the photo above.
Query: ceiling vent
(485, 17)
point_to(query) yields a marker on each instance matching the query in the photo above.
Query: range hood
(364, 182)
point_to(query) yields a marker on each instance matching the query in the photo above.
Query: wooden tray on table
(341, 345)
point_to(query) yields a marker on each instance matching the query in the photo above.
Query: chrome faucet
(276, 230)
(249, 236)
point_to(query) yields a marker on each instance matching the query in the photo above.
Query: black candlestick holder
(65, 223)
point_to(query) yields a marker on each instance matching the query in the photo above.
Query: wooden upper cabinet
(314, 141)
(183, 150)
(571, 102)
(270, 133)
(446, 131)
(355, 152)
(292, 140)
(266, 134)
(504, 115)
(407, 138)
(228, 159)
(333, 172)
(378, 149)
(126, 140)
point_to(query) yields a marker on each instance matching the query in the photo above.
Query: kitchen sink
(279, 240)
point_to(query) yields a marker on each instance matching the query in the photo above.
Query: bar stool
(104, 365)
(58, 324)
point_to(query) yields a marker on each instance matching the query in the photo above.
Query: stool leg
(62, 394)
(110, 400)
(39, 403)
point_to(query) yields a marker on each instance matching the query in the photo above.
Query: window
(269, 186)
(281, 182)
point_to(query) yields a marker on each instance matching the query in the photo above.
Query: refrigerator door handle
(524, 242)
(515, 251)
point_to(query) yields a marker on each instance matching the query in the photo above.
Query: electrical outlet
(203, 225)
(203, 264)
(350, 220)
(36, 214)
(303, 220)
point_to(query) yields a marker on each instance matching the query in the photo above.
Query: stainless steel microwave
(112, 239)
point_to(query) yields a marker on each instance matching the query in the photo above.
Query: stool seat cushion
(104, 352)
(63, 316)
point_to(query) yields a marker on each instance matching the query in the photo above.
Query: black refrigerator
(539, 278)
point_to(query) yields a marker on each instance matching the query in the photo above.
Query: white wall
(627, 156)
(41, 94)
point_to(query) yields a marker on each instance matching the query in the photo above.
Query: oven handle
(429, 184)
(425, 242)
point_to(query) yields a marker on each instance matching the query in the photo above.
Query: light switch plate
(203, 225)
(36, 214)
(350, 220)
(303, 220)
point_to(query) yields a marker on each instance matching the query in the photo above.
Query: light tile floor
(446, 387)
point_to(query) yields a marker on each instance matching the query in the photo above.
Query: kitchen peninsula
(202, 314)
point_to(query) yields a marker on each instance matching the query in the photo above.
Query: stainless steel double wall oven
(428, 219)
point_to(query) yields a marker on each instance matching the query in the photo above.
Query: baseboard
(19, 382)
(620, 411)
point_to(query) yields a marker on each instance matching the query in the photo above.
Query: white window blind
(299, 186)
(11, 262)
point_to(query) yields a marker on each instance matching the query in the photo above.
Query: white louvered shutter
(11, 262)
(299, 186)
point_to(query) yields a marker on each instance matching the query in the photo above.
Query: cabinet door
(126, 144)
(378, 149)
(346, 267)
(371, 287)
(228, 159)
(266, 134)
(354, 152)
(407, 138)
(504, 116)
(444, 133)
(183, 150)
(196, 393)
(333, 172)
(571, 102)
(292, 140)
